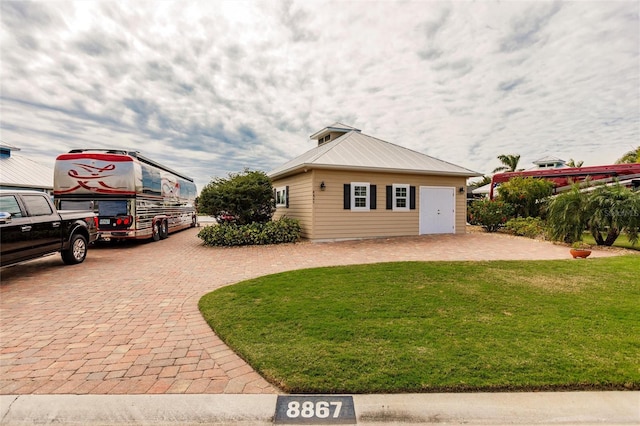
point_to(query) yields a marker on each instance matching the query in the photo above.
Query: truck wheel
(155, 234)
(77, 251)
(164, 229)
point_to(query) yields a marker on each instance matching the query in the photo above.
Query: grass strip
(622, 241)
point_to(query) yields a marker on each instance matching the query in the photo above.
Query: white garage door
(437, 210)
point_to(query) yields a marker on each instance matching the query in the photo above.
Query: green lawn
(438, 326)
(622, 241)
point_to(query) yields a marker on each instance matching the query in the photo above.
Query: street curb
(548, 408)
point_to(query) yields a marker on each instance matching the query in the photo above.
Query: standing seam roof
(357, 150)
(21, 171)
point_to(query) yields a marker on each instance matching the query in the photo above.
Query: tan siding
(300, 201)
(331, 221)
(322, 215)
(461, 207)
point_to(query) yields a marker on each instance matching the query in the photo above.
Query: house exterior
(544, 163)
(352, 186)
(549, 162)
(20, 172)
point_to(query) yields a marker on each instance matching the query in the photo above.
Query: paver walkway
(126, 321)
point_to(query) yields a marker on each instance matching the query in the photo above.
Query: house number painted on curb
(315, 410)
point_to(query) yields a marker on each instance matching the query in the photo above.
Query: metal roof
(19, 171)
(484, 189)
(357, 151)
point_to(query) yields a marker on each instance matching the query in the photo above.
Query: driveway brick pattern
(126, 321)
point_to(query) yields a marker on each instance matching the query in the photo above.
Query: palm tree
(510, 163)
(565, 216)
(482, 182)
(606, 211)
(611, 210)
(632, 156)
(573, 163)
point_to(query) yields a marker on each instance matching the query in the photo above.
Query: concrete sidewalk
(541, 408)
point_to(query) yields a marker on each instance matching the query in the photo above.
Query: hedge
(283, 230)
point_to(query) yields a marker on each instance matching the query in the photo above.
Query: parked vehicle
(134, 197)
(563, 178)
(30, 227)
(225, 218)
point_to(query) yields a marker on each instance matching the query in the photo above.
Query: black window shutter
(287, 195)
(347, 196)
(389, 197)
(373, 197)
(412, 197)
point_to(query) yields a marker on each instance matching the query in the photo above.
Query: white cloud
(211, 87)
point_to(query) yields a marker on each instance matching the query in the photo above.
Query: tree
(247, 196)
(526, 194)
(573, 163)
(605, 211)
(566, 219)
(611, 210)
(510, 163)
(632, 156)
(485, 180)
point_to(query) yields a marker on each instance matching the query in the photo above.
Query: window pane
(361, 202)
(9, 204)
(281, 196)
(360, 191)
(37, 205)
(401, 202)
(76, 205)
(401, 192)
(112, 208)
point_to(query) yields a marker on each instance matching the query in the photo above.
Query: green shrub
(283, 230)
(531, 227)
(246, 196)
(526, 195)
(491, 215)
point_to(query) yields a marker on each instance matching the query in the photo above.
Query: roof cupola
(332, 132)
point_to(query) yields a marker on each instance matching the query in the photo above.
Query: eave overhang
(306, 167)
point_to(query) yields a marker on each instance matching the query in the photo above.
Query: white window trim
(283, 199)
(366, 208)
(394, 205)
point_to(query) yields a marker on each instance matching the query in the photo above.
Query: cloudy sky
(212, 87)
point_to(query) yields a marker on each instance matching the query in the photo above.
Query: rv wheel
(155, 234)
(164, 229)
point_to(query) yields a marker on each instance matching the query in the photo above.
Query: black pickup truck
(31, 227)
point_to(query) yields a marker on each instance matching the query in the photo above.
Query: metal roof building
(353, 185)
(20, 172)
(354, 150)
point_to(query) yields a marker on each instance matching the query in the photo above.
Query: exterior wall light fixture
(461, 189)
(322, 186)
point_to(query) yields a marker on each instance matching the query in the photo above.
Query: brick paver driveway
(126, 321)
